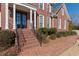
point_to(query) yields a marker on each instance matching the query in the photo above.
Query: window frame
(65, 24)
(42, 22)
(62, 11)
(42, 6)
(59, 24)
(49, 22)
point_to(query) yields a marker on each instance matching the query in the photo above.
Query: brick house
(35, 15)
(29, 16)
(61, 22)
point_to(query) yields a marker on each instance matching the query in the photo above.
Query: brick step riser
(30, 46)
(27, 39)
(30, 42)
(28, 34)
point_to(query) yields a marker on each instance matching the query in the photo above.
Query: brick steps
(27, 39)
(29, 46)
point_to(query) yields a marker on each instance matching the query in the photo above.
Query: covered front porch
(22, 16)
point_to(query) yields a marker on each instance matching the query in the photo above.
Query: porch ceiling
(22, 8)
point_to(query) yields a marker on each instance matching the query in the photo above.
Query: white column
(14, 19)
(0, 19)
(35, 20)
(31, 19)
(50, 22)
(6, 16)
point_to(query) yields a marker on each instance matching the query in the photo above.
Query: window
(62, 11)
(65, 23)
(48, 22)
(41, 6)
(59, 24)
(41, 20)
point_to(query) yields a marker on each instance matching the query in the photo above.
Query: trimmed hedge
(47, 31)
(67, 33)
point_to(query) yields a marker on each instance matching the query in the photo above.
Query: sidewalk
(54, 48)
(73, 51)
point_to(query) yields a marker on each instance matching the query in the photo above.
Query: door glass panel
(20, 20)
(23, 20)
(18, 15)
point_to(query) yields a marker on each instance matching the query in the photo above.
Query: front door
(21, 20)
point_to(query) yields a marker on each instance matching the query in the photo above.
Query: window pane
(41, 5)
(41, 21)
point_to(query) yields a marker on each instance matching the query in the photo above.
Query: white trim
(65, 24)
(59, 24)
(43, 6)
(0, 19)
(62, 11)
(31, 19)
(35, 20)
(49, 8)
(6, 16)
(50, 21)
(14, 15)
(26, 6)
(43, 20)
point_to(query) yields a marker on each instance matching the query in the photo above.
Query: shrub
(58, 34)
(52, 31)
(52, 37)
(41, 37)
(42, 30)
(73, 33)
(66, 33)
(7, 39)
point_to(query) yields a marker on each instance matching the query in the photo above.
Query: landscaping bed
(7, 42)
(44, 35)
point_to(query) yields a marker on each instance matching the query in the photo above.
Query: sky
(73, 10)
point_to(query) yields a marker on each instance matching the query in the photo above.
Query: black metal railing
(17, 44)
(18, 38)
(17, 41)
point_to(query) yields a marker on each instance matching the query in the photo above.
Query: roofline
(26, 6)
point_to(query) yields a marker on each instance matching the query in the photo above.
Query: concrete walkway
(73, 51)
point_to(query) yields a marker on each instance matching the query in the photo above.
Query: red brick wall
(3, 15)
(43, 12)
(62, 17)
(0, 6)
